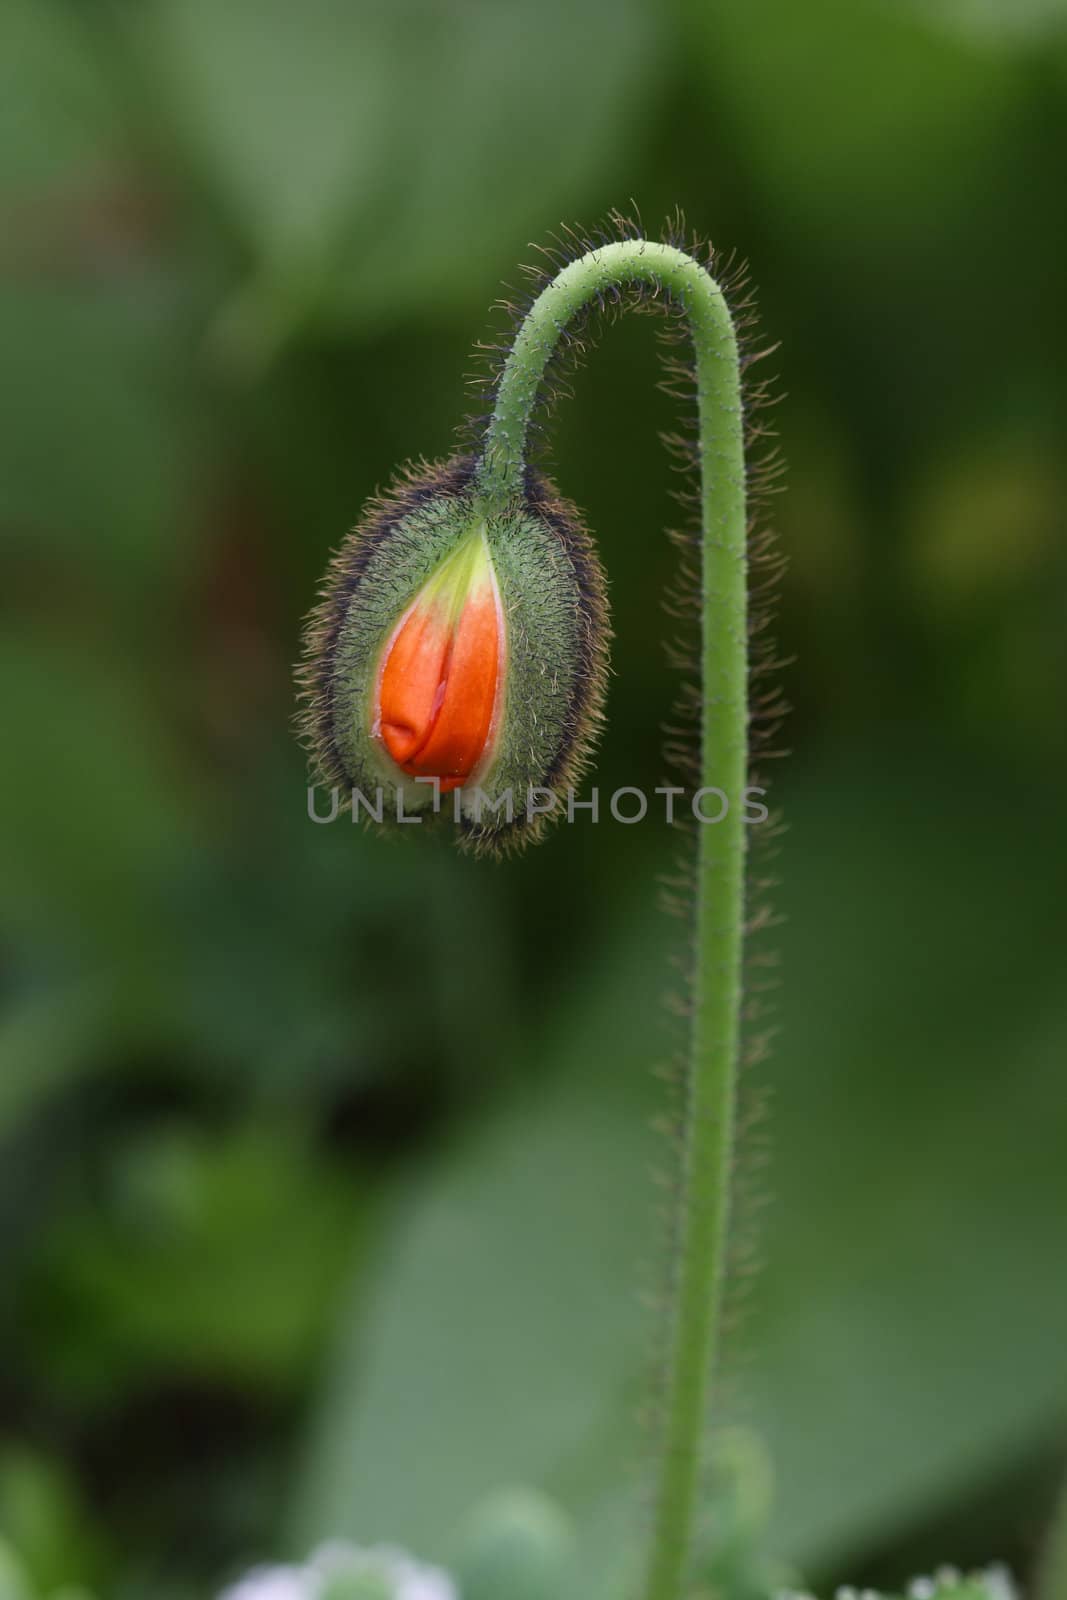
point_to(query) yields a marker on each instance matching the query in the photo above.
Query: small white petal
(274, 1583)
(999, 1583)
(407, 1578)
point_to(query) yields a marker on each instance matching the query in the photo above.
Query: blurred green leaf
(210, 1257)
(339, 965)
(908, 1338)
(46, 1041)
(91, 446)
(893, 1360)
(98, 798)
(1019, 25)
(507, 1343)
(869, 126)
(40, 1513)
(57, 121)
(374, 156)
(13, 1584)
(517, 1544)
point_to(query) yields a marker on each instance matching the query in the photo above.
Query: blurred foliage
(325, 1195)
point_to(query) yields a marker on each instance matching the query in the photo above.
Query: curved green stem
(714, 1042)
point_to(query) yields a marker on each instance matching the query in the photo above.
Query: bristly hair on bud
(459, 650)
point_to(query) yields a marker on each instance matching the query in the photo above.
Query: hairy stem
(714, 1041)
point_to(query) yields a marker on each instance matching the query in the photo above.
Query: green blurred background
(325, 1163)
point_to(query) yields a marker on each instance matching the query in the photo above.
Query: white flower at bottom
(405, 1579)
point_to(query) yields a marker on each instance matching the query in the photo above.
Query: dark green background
(325, 1195)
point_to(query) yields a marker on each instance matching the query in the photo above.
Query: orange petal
(438, 686)
(410, 678)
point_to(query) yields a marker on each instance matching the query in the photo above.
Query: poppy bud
(458, 643)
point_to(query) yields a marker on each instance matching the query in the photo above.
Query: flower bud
(458, 647)
(516, 1543)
